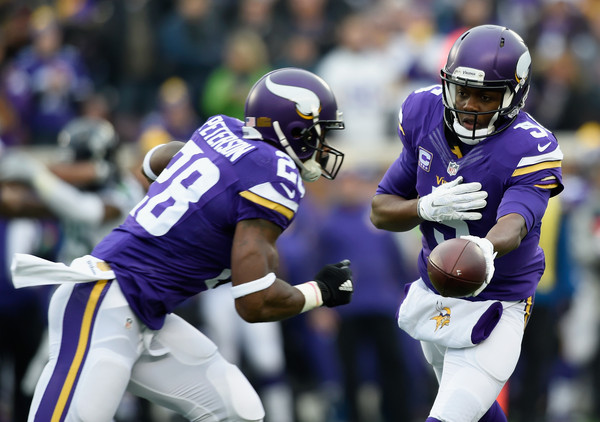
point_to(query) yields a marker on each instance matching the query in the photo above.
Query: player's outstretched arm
(260, 296)
(507, 233)
(54, 195)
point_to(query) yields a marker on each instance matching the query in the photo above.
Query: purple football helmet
(490, 57)
(293, 109)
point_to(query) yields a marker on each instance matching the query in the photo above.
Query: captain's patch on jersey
(425, 158)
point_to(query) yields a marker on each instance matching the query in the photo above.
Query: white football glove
(489, 255)
(453, 201)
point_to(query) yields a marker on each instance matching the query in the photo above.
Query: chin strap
(310, 170)
(466, 135)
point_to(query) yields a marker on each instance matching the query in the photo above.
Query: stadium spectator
(258, 16)
(314, 19)
(122, 47)
(363, 74)
(245, 60)
(581, 325)
(563, 95)
(190, 41)
(175, 113)
(47, 80)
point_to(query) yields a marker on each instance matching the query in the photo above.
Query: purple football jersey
(519, 168)
(177, 241)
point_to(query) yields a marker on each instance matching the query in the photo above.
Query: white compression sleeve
(68, 202)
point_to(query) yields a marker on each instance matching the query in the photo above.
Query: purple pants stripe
(78, 323)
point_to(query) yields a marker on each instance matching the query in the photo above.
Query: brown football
(456, 267)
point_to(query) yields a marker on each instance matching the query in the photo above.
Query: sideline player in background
(474, 165)
(83, 187)
(64, 209)
(212, 216)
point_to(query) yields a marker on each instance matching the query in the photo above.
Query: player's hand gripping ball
(456, 267)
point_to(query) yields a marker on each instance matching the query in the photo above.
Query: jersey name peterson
(221, 139)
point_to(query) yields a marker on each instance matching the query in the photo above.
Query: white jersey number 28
(202, 173)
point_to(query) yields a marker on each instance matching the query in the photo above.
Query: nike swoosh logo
(290, 193)
(542, 148)
(346, 286)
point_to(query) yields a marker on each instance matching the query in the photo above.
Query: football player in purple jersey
(212, 216)
(473, 164)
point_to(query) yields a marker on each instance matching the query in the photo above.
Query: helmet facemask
(320, 162)
(502, 117)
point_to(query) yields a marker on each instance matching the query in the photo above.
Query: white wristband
(146, 164)
(253, 286)
(312, 295)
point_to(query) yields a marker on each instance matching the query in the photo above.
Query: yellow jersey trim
(536, 167)
(552, 186)
(285, 211)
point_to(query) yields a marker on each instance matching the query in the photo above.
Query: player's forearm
(394, 213)
(507, 234)
(278, 302)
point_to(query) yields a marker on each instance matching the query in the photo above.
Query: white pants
(471, 378)
(260, 343)
(99, 349)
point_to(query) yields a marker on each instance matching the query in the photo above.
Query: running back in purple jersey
(519, 168)
(177, 241)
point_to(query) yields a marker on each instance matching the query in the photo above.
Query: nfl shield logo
(452, 168)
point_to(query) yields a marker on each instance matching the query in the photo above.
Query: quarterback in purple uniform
(212, 216)
(473, 165)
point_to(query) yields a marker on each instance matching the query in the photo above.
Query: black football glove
(335, 282)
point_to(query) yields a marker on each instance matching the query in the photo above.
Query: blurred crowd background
(132, 74)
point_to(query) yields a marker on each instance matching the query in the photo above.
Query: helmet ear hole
(296, 132)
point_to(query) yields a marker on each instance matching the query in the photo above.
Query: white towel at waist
(28, 270)
(447, 321)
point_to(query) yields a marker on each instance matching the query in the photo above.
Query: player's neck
(457, 147)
